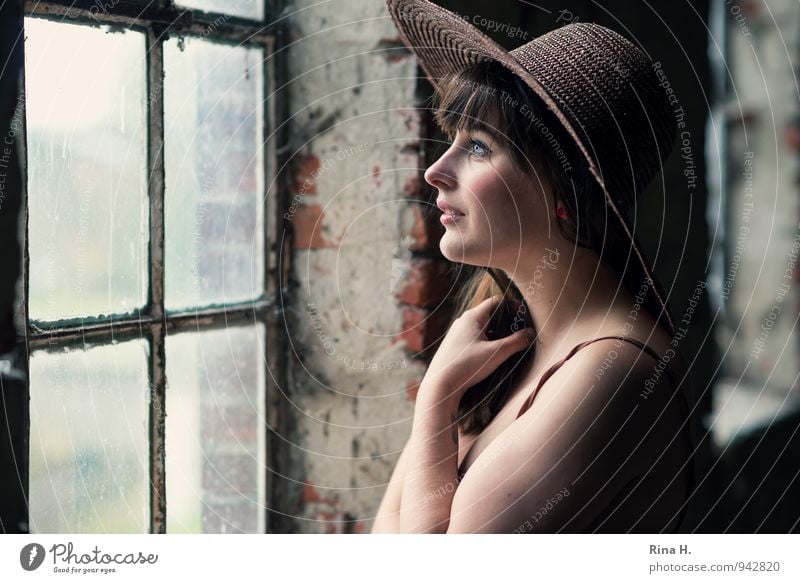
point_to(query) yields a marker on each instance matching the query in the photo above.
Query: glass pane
(87, 170)
(88, 440)
(216, 431)
(214, 172)
(253, 9)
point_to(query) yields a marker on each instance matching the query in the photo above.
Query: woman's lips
(449, 214)
(449, 218)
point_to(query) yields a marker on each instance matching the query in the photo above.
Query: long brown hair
(488, 96)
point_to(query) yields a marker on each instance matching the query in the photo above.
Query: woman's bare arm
(558, 467)
(388, 518)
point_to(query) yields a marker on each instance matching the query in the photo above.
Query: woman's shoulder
(641, 332)
(619, 353)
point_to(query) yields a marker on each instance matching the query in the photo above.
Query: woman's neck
(565, 286)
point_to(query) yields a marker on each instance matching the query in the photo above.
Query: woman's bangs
(466, 105)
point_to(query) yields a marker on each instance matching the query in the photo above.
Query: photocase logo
(31, 556)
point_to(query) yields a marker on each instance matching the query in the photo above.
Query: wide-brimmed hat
(601, 87)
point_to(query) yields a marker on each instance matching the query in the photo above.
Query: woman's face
(501, 212)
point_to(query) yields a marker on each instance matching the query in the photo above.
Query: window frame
(158, 20)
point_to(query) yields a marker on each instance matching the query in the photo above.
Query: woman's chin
(452, 249)
(456, 252)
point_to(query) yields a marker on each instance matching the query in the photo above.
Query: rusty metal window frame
(160, 20)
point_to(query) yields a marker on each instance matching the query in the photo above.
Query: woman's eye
(478, 148)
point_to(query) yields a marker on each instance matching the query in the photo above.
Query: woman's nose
(440, 175)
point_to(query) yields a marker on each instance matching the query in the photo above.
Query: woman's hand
(467, 356)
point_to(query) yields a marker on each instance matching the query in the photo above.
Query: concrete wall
(359, 276)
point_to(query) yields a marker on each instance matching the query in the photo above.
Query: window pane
(253, 9)
(214, 172)
(88, 440)
(87, 173)
(216, 431)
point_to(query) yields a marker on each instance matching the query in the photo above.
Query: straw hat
(600, 86)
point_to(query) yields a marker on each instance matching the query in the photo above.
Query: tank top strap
(550, 371)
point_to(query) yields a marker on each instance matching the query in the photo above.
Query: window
(756, 238)
(147, 301)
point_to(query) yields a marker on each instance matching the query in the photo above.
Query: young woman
(557, 400)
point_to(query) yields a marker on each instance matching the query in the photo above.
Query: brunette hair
(490, 97)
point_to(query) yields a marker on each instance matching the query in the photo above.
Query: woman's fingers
(504, 348)
(483, 311)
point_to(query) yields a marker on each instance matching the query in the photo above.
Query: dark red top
(682, 400)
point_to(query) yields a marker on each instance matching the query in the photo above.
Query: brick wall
(366, 275)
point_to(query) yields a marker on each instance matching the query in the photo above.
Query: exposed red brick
(792, 137)
(421, 328)
(437, 324)
(307, 222)
(304, 168)
(426, 230)
(419, 230)
(426, 283)
(412, 186)
(750, 8)
(310, 493)
(413, 329)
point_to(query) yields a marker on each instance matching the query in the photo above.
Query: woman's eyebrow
(487, 130)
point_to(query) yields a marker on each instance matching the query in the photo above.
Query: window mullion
(277, 268)
(155, 113)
